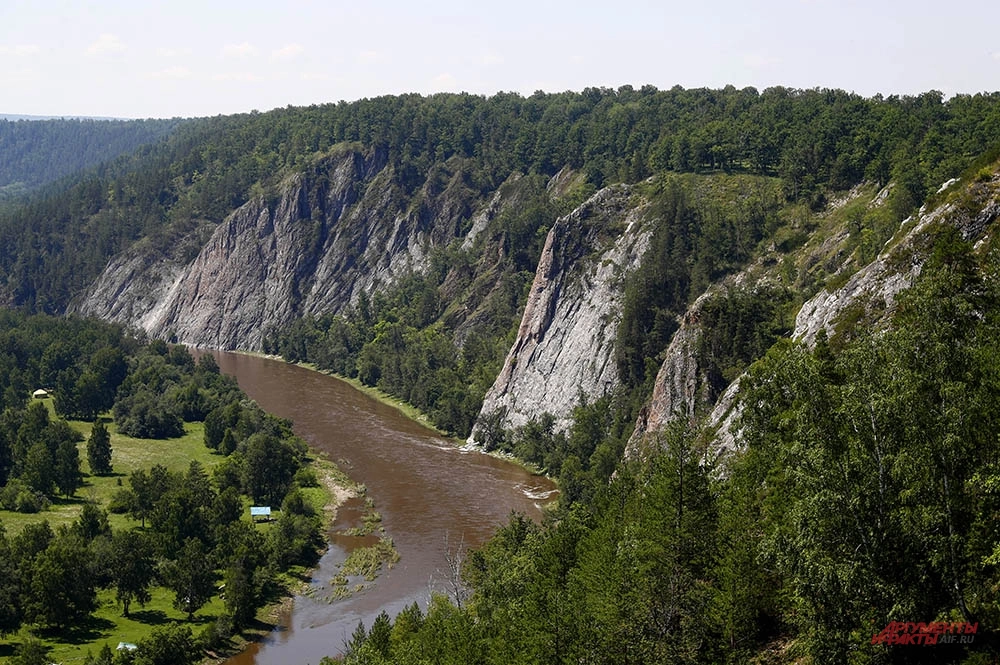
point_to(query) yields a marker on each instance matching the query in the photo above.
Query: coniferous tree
(67, 468)
(99, 449)
(31, 652)
(93, 522)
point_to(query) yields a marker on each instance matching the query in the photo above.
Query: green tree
(93, 522)
(67, 468)
(269, 466)
(59, 595)
(191, 577)
(134, 568)
(10, 587)
(170, 644)
(99, 449)
(39, 471)
(32, 651)
(147, 488)
(104, 657)
(88, 396)
(242, 593)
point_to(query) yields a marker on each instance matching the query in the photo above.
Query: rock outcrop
(331, 234)
(869, 293)
(344, 228)
(564, 349)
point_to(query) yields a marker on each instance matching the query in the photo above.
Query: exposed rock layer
(332, 234)
(564, 350)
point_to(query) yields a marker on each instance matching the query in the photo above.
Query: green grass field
(106, 624)
(127, 455)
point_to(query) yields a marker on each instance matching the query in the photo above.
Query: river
(433, 496)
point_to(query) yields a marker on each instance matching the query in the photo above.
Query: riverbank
(333, 488)
(429, 494)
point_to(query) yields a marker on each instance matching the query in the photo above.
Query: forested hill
(754, 334)
(37, 152)
(814, 140)
(379, 236)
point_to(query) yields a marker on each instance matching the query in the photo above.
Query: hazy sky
(206, 57)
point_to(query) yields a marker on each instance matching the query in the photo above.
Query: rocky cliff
(865, 295)
(331, 233)
(564, 350)
(343, 228)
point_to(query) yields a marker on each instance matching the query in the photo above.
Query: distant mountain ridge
(17, 116)
(40, 150)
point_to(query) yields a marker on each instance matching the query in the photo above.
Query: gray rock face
(564, 349)
(345, 228)
(679, 389)
(331, 234)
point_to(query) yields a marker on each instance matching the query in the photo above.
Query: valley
(752, 334)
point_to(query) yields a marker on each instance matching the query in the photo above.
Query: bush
(216, 633)
(121, 501)
(18, 497)
(170, 644)
(306, 477)
(144, 416)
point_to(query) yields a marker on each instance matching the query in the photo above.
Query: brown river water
(433, 496)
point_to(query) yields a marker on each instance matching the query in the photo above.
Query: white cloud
(996, 55)
(287, 52)
(20, 50)
(165, 52)
(106, 44)
(313, 76)
(238, 50)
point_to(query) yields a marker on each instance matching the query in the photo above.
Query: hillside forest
(860, 498)
(865, 493)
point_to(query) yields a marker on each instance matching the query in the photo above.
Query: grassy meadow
(107, 625)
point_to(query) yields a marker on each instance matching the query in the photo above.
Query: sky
(140, 59)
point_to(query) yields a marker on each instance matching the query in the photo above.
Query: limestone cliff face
(876, 285)
(344, 227)
(564, 349)
(682, 390)
(870, 292)
(331, 233)
(680, 387)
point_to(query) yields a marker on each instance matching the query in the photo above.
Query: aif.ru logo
(914, 633)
